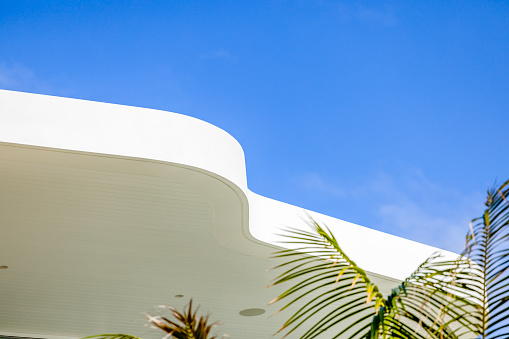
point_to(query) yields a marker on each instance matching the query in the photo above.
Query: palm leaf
(487, 246)
(327, 278)
(111, 336)
(432, 303)
(336, 296)
(187, 325)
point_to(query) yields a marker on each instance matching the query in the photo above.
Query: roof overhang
(108, 210)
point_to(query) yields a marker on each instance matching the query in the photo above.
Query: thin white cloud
(218, 54)
(316, 183)
(443, 227)
(378, 15)
(410, 205)
(427, 212)
(356, 11)
(20, 78)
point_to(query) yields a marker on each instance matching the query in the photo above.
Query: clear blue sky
(389, 114)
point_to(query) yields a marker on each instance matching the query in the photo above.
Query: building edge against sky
(49, 139)
(86, 126)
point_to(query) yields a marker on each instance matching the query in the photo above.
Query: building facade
(107, 210)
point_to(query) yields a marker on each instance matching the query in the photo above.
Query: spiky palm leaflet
(332, 290)
(487, 245)
(188, 325)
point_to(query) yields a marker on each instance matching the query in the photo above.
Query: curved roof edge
(85, 126)
(81, 125)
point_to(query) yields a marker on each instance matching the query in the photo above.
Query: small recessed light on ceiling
(179, 296)
(251, 312)
(4, 267)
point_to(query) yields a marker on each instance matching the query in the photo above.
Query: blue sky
(388, 114)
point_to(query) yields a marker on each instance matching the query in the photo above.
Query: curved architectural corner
(108, 210)
(208, 158)
(195, 153)
(80, 125)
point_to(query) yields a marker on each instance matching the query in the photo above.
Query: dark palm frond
(188, 324)
(487, 245)
(111, 336)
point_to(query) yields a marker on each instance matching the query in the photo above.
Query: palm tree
(441, 299)
(487, 245)
(187, 325)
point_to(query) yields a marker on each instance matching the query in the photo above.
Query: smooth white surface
(372, 250)
(79, 125)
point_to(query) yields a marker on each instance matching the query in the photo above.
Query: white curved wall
(88, 126)
(79, 125)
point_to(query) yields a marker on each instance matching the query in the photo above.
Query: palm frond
(188, 325)
(433, 302)
(487, 246)
(327, 278)
(111, 336)
(335, 296)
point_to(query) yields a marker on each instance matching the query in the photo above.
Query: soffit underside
(89, 251)
(93, 242)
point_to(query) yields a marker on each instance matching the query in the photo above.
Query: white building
(108, 210)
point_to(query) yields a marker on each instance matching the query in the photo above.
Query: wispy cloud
(383, 15)
(315, 182)
(18, 77)
(410, 205)
(376, 13)
(427, 212)
(218, 54)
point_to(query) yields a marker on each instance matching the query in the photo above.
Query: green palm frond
(487, 245)
(336, 296)
(432, 303)
(327, 278)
